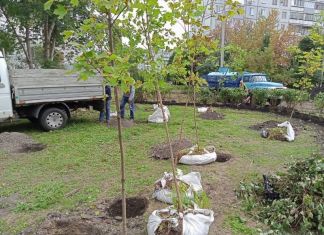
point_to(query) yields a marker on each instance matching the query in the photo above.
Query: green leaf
(75, 3)
(48, 5)
(60, 11)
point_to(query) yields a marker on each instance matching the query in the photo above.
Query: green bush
(292, 97)
(260, 96)
(232, 95)
(207, 96)
(319, 101)
(301, 203)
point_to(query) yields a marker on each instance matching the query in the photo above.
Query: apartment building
(301, 14)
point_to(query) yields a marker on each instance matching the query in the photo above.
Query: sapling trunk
(121, 147)
(180, 209)
(122, 161)
(184, 116)
(195, 117)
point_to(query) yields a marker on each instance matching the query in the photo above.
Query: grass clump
(300, 207)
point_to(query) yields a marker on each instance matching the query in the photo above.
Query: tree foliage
(259, 46)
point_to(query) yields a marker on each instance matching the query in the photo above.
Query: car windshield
(259, 78)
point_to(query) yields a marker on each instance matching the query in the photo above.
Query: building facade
(301, 14)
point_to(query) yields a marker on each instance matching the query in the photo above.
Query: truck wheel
(53, 119)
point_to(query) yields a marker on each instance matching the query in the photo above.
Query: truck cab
(259, 81)
(6, 109)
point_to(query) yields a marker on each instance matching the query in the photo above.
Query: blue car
(259, 81)
(218, 80)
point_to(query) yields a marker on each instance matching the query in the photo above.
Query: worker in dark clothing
(106, 107)
(128, 97)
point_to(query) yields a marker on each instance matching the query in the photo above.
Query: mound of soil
(162, 151)
(212, 116)
(223, 156)
(59, 224)
(15, 142)
(92, 220)
(135, 206)
(125, 123)
(298, 126)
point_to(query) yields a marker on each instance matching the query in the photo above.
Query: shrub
(292, 97)
(319, 101)
(207, 96)
(232, 95)
(260, 96)
(301, 203)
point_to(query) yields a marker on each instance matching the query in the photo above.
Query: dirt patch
(298, 126)
(125, 123)
(135, 206)
(15, 142)
(63, 225)
(223, 156)
(162, 151)
(87, 221)
(7, 204)
(212, 115)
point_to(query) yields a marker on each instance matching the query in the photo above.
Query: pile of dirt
(298, 126)
(162, 151)
(211, 115)
(92, 220)
(135, 206)
(124, 122)
(15, 142)
(223, 156)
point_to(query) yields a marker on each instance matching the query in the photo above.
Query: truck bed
(32, 86)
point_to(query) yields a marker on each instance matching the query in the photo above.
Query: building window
(284, 3)
(262, 12)
(298, 3)
(319, 6)
(284, 15)
(251, 11)
(296, 15)
(309, 17)
(274, 2)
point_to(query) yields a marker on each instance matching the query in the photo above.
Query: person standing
(128, 97)
(106, 108)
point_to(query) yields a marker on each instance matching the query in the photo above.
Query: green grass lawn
(82, 161)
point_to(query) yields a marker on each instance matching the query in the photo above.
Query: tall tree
(30, 22)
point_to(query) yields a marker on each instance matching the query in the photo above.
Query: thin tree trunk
(183, 116)
(195, 118)
(21, 43)
(121, 147)
(29, 49)
(180, 209)
(52, 50)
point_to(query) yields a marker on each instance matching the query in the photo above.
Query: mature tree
(30, 23)
(259, 46)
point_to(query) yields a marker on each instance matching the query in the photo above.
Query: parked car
(220, 79)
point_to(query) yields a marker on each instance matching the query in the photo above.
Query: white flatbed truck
(45, 96)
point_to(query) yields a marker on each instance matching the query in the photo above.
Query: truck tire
(53, 119)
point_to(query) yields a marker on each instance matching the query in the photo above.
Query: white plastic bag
(208, 156)
(164, 194)
(157, 116)
(113, 114)
(202, 110)
(195, 221)
(290, 131)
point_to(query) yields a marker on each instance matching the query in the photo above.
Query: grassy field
(82, 161)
